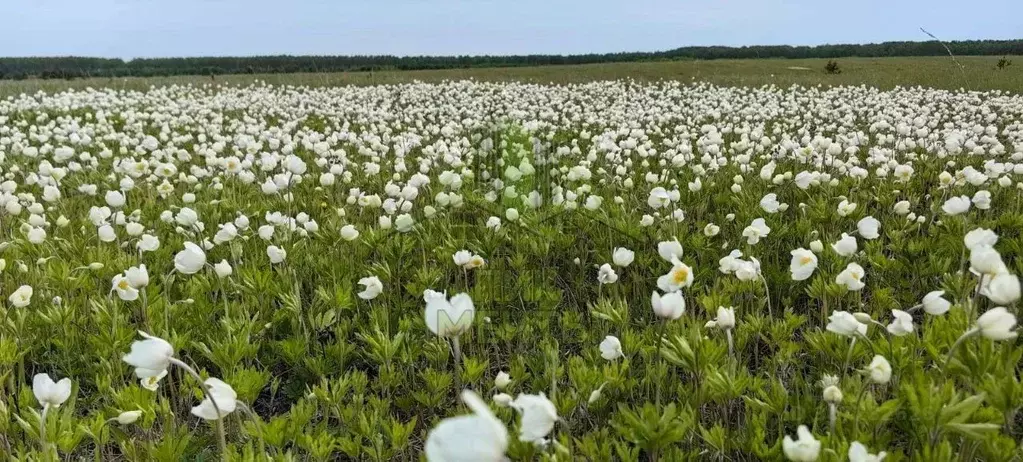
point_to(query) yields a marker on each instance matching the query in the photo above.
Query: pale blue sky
(157, 28)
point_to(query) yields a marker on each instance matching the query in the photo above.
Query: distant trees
(77, 67)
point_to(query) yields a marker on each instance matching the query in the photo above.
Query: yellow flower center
(123, 284)
(680, 275)
(805, 260)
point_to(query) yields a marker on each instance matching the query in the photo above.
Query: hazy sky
(154, 28)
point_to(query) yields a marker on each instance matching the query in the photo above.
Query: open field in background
(978, 73)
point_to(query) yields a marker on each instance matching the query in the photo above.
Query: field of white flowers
(473, 272)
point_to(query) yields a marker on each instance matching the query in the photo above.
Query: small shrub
(832, 67)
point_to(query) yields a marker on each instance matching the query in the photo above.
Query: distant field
(977, 73)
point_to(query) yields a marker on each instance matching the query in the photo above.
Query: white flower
(669, 250)
(658, 198)
(21, 297)
(832, 394)
(223, 269)
(858, 453)
(276, 254)
(711, 230)
(956, 205)
(226, 233)
(152, 383)
(985, 260)
(851, 277)
(150, 357)
(846, 246)
(462, 258)
(755, 231)
(1003, 288)
(50, 393)
(668, 306)
(373, 287)
(448, 318)
(36, 235)
(190, 260)
(680, 276)
(123, 287)
(804, 449)
(997, 324)
(138, 276)
(725, 319)
(349, 233)
(982, 199)
(114, 199)
(404, 223)
(606, 274)
(106, 233)
(148, 243)
(803, 264)
(494, 224)
(511, 214)
(980, 237)
(502, 380)
(611, 348)
(902, 324)
(868, 227)
(478, 437)
(747, 270)
(816, 246)
(880, 370)
(769, 203)
(220, 393)
(844, 323)
(538, 416)
(502, 399)
(901, 208)
(128, 417)
(623, 257)
(934, 304)
(845, 208)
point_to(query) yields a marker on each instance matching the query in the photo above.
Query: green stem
(221, 438)
(859, 400)
(456, 350)
(955, 345)
(42, 430)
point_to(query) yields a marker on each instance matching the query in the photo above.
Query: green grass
(977, 73)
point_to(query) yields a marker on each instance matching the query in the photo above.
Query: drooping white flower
(858, 453)
(190, 260)
(879, 370)
(448, 318)
(479, 436)
(50, 393)
(611, 348)
(538, 416)
(668, 306)
(935, 304)
(220, 393)
(997, 324)
(845, 324)
(868, 227)
(150, 357)
(902, 324)
(805, 449)
(372, 287)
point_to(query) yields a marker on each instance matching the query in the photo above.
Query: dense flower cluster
(622, 269)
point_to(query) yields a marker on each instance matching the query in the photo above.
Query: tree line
(78, 67)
